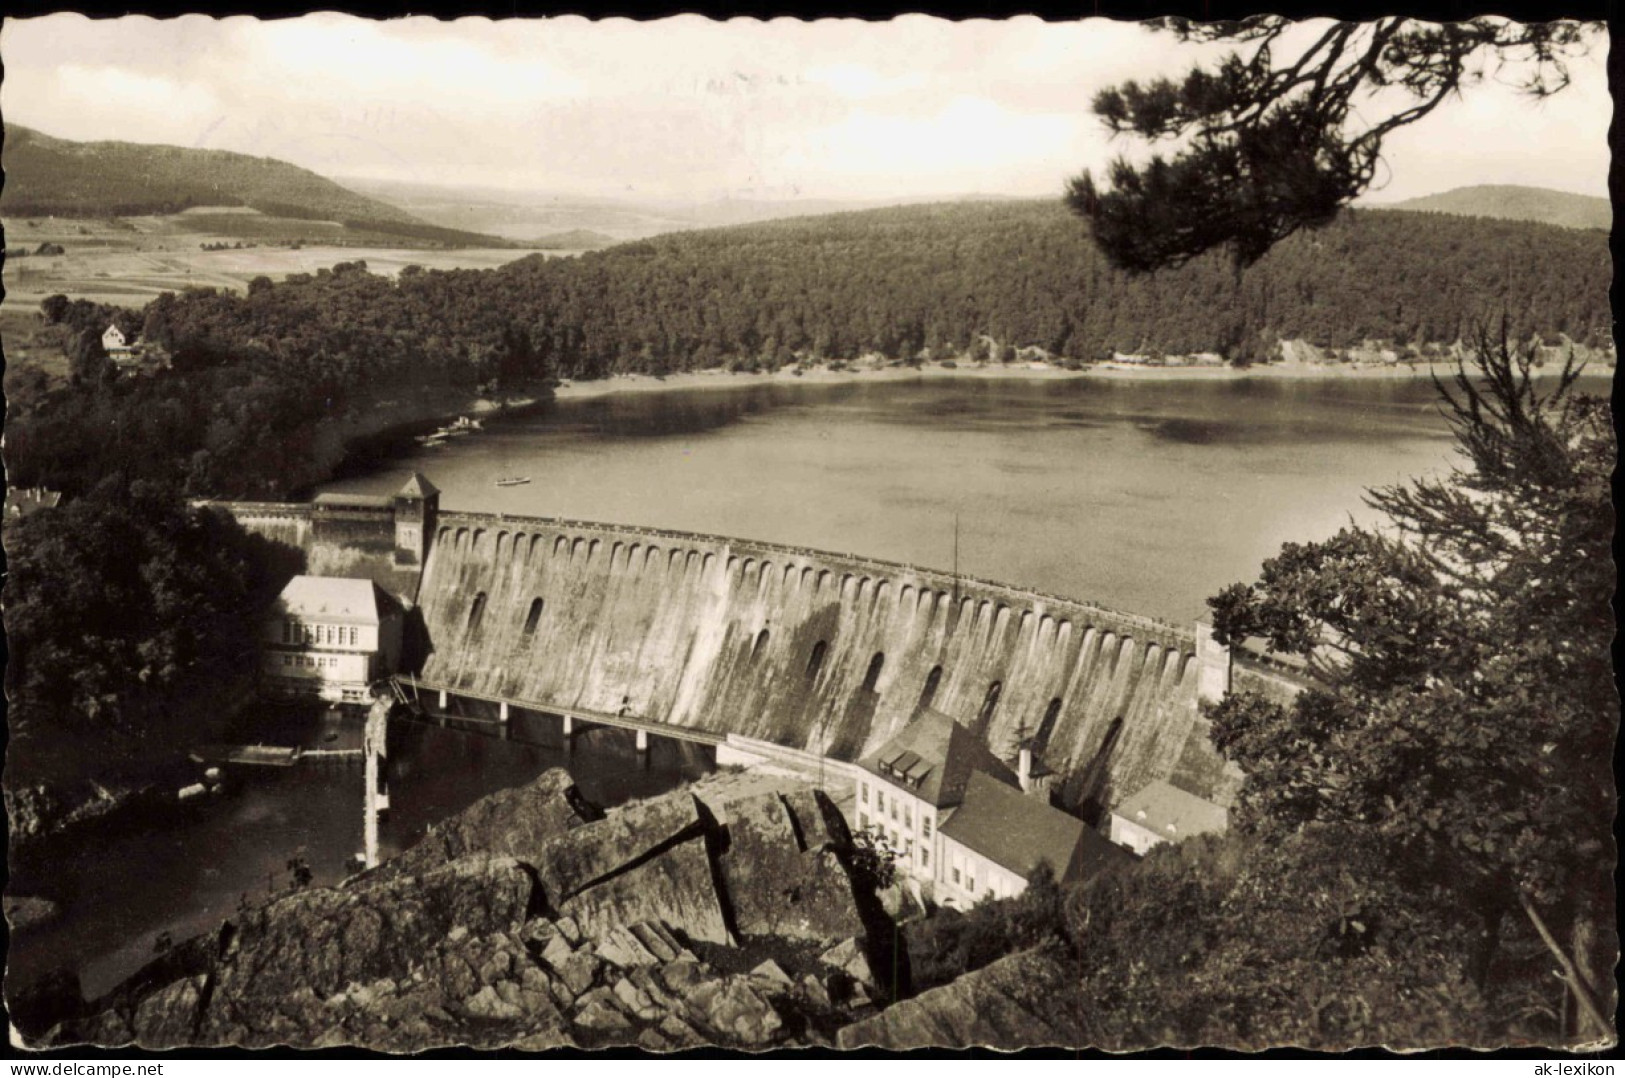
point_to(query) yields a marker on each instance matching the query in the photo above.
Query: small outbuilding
(1162, 812)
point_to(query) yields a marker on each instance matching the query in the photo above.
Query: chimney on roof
(1036, 780)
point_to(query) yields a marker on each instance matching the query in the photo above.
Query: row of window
(964, 878)
(896, 803)
(325, 662)
(901, 843)
(294, 632)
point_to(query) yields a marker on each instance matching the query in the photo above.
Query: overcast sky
(689, 108)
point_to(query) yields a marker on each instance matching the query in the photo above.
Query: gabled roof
(335, 597)
(418, 487)
(1019, 832)
(932, 758)
(1171, 812)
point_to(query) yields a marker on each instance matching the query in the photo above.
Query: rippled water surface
(1146, 496)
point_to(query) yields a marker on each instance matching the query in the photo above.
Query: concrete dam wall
(816, 651)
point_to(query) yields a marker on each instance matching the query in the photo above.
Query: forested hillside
(257, 375)
(48, 176)
(941, 277)
(899, 280)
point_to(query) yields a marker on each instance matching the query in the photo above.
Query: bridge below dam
(571, 718)
(826, 653)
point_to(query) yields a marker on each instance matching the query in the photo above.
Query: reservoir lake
(1142, 495)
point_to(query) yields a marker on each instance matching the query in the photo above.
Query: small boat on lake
(463, 425)
(514, 481)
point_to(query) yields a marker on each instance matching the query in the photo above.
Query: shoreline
(720, 379)
(381, 438)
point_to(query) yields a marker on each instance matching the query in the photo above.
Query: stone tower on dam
(825, 652)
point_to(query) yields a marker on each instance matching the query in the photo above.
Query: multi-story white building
(957, 819)
(905, 788)
(993, 843)
(330, 638)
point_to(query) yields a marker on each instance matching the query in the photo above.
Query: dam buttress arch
(678, 622)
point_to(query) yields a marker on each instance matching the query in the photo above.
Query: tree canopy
(1466, 710)
(1281, 138)
(121, 603)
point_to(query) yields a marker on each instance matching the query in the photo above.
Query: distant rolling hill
(577, 239)
(53, 177)
(1514, 203)
(538, 216)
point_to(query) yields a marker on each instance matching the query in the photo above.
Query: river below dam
(123, 885)
(1141, 495)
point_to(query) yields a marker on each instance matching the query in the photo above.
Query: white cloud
(102, 101)
(861, 83)
(321, 54)
(689, 106)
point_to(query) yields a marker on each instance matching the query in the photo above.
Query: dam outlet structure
(826, 653)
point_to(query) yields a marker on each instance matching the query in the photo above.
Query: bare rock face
(509, 823)
(168, 1018)
(515, 924)
(736, 1011)
(570, 862)
(820, 824)
(323, 940)
(1021, 1001)
(779, 869)
(848, 957)
(675, 887)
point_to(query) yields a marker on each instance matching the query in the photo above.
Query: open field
(128, 261)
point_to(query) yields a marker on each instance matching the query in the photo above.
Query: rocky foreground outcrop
(723, 913)
(1023, 1000)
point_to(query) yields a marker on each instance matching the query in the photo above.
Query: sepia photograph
(777, 536)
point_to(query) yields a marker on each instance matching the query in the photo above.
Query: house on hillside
(914, 779)
(1162, 812)
(26, 501)
(118, 345)
(960, 821)
(330, 638)
(129, 353)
